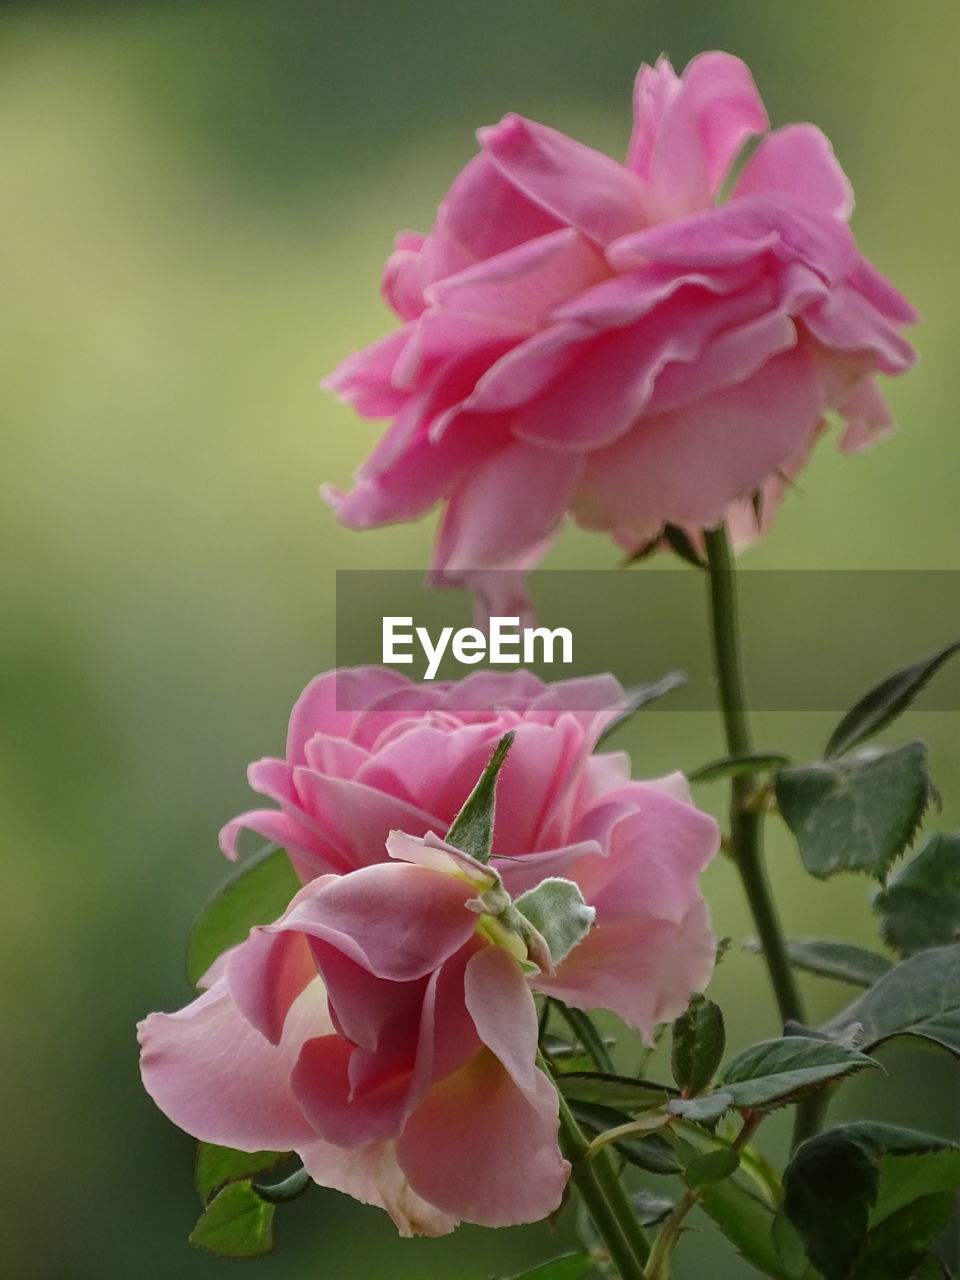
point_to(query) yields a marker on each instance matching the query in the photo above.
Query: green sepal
(639, 695)
(737, 766)
(556, 909)
(472, 829)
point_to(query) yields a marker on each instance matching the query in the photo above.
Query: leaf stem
(604, 1196)
(658, 1264)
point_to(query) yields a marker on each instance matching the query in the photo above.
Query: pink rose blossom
(379, 1031)
(407, 756)
(602, 340)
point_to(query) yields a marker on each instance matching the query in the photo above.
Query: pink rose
(379, 1031)
(407, 756)
(602, 340)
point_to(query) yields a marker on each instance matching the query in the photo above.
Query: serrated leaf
(235, 1224)
(885, 702)
(711, 1166)
(572, 1266)
(856, 1194)
(257, 892)
(858, 813)
(737, 766)
(830, 959)
(919, 997)
(472, 829)
(218, 1165)
(699, 1039)
(774, 1073)
(639, 695)
(556, 909)
(619, 1092)
(920, 907)
(706, 1109)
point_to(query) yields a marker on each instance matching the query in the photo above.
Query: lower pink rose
(379, 1032)
(369, 751)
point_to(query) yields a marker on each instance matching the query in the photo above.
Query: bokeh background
(196, 201)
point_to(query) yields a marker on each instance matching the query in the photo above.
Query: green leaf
(572, 1266)
(652, 1152)
(919, 997)
(856, 814)
(736, 766)
(712, 1166)
(556, 909)
(620, 1092)
(884, 703)
(706, 1109)
(650, 1208)
(774, 1073)
(829, 959)
(862, 1200)
(257, 892)
(699, 1039)
(218, 1165)
(236, 1224)
(639, 695)
(931, 1268)
(920, 907)
(472, 829)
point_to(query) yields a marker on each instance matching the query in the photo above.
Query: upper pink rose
(385, 1030)
(603, 340)
(407, 756)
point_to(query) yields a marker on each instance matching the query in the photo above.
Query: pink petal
(867, 416)
(482, 215)
(642, 970)
(320, 708)
(399, 922)
(498, 1000)
(372, 1175)
(321, 1085)
(534, 485)
(493, 1187)
(797, 162)
(654, 90)
(740, 231)
(266, 975)
(217, 1077)
(730, 443)
(365, 379)
(580, 187)
(703, 127)
(523, 283)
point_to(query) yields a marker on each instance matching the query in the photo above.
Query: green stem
(604, 1197)
(745, 820)
(658, 1264)
(745, 817)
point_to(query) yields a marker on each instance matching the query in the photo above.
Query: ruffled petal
(798, 164)
(218, 1078)
(580, 187)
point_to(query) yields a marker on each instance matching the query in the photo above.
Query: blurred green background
(197, 199)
